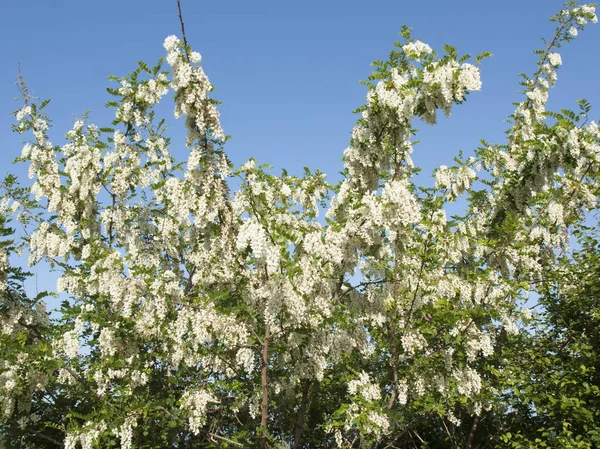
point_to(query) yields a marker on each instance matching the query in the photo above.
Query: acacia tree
(201, 317)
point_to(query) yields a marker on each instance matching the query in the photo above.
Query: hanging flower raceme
(191, 87)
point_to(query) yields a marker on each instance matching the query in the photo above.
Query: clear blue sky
(287, 72)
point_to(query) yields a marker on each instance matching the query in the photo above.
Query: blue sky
(287, 72)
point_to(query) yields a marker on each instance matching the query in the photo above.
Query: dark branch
(187, 56)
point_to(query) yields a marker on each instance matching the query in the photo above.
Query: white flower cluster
(444, 88)
(252, 234)
(151, 91)
(8, 378)
(585, 13)
(469, 78)
(47, 242)
(107, 342)
(538, 98)
(246, 359)
(191, 87)
(455, 182)
(83, 166)
(413, 341)
(26, 110)
(554, 59)
(3, 270)
(468, 380)
(128, 113)
(86, 437)
(377, 424)
(556, 214)
(198, 326)
(400, 205)
(369, 422)
(417, 50)
(195, 403)
(69, 344)
(450, 416)
(480, 343)
(402, 392)
(125, 432)
(363, 386)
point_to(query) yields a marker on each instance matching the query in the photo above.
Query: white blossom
(363, 386)
(554, 59)
(195, 404)
(417, 49)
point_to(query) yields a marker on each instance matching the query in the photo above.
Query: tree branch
(187, 56)
(472, 433)
(47, 438)
(227, 440)
(394, 333)
(264, 380)
(300, 417)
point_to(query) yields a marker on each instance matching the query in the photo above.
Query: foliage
(554, 377)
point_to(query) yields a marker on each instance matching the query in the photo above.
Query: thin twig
(27, 97)
(35, 434)
(264, 407)
(393, 332)
(227, 440)
(49, 439)
(187, 56)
